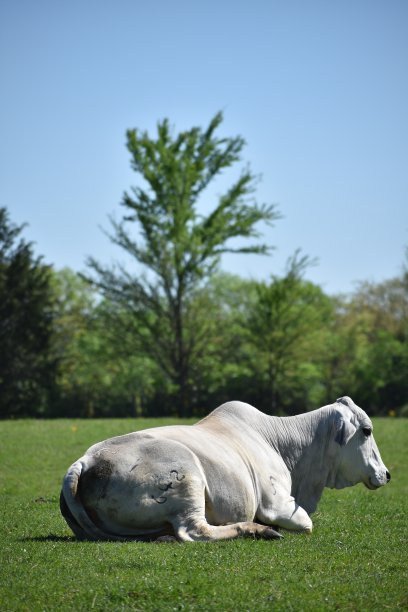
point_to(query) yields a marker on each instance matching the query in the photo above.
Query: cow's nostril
(388, 475)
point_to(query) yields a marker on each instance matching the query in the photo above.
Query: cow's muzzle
(380, 482)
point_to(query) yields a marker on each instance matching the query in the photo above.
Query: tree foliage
(172, 335)
(283, 331)
(100, 370)
(283, 345)
(377, 314)
(26, 306)
(177, 246)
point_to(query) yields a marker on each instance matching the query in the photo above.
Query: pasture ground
(356, 558)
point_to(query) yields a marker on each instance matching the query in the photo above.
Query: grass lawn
(356, 558)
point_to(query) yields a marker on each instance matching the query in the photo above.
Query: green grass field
(356, 558)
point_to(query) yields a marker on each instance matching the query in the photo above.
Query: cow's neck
(303, 443)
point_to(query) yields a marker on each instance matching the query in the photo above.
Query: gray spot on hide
(271, 478)
(95, 480)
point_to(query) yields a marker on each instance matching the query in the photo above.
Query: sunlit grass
(356, 558)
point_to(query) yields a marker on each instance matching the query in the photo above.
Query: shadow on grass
(50, 538)
(56, 538)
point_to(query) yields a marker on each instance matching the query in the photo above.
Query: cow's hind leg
(201, 530)
(188, 514)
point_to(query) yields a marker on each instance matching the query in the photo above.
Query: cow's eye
(367, 431)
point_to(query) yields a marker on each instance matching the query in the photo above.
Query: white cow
(235, 473)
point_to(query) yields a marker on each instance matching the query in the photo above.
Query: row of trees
(283, 345)
(176, 335)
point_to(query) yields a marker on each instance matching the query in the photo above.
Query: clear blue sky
(318, 89)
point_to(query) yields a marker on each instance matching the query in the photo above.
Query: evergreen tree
(26, 370)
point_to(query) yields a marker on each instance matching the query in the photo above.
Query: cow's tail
(74, 511)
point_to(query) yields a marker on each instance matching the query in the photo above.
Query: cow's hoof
(271, 534)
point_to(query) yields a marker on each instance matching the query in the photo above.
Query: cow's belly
(229, 499)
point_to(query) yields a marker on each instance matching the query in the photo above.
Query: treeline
(172, 335)
(283, 345)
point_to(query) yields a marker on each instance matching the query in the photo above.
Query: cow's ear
(344, 430)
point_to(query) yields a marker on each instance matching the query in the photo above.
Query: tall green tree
(176, 246)
(283, 327)
(26, 312)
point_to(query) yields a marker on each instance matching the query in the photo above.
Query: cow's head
(358, 457)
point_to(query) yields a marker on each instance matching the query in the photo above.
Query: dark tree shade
(26, 372)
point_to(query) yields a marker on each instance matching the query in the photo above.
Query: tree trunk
(181, 358)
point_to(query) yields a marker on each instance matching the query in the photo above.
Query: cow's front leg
(294, 517)
(283, 511)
